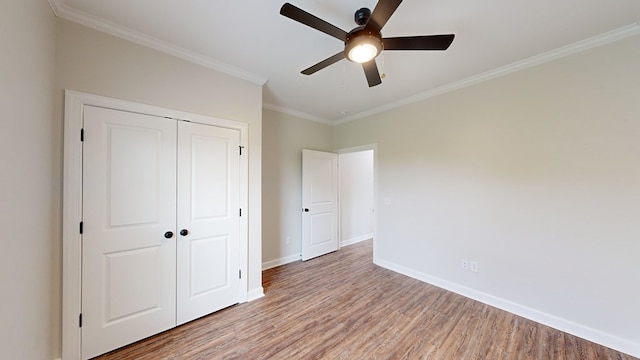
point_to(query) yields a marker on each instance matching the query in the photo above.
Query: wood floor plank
(342, 306)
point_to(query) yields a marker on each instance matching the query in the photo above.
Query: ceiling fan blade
(426, 42)
(324, 63)
(301, 16)
(382, 12)
(371, 72)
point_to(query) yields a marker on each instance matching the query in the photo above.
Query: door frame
(366, 147)
(72, 202)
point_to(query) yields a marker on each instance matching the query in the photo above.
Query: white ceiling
(250, 39)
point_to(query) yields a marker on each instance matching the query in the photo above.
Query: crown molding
(296, 113)
(599, 40)
(63, 11)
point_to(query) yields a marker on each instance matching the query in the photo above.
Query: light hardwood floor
(342, 306)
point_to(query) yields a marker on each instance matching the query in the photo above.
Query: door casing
(374, 148)
(72, 202)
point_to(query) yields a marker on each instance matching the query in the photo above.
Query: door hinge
(82, 134)
(81, 227)
(241, 147)
(80, 320)
(240, 274)
(240, 212)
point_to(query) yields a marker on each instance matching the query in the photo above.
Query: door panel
(321, 228)
(129, 272)
(132, 184)
(209, 175)
(208, 208)
(129, 191)
(320, 203)
(206, 256)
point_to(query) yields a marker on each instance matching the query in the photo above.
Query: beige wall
(94, 62)
(29, 201)
(283, 138)
(535, 176)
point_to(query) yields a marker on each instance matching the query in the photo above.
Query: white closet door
(129, 205)
(208, 220)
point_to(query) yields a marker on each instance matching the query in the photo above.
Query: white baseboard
(255, 294)
(570, 327)
(281, 261)
(355, 240)
(296, 257)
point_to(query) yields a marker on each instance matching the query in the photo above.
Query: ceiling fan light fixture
(365, 42)
(363, 48)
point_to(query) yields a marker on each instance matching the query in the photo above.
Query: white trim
(243, 234)
(72, 203)
(358, 148)
(255, 294)
(590, 334)
(599, 40)
(63, 11)
(296, 113)
(281, 261)
(356, 240)
(71, 216)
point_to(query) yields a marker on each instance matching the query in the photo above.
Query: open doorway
(356, 183)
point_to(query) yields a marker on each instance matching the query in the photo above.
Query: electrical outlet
(464, 264)
(473, 266)
(288, 240)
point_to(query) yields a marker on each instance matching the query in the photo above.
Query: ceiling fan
(365, 42)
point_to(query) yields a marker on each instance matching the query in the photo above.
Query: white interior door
(129, 213)
(319, 203)
(208, 220)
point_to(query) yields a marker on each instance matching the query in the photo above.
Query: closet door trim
(72, 202)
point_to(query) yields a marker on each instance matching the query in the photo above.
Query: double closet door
(160, 243)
